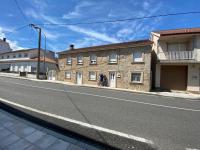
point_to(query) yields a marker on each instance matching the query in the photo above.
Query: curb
(103, 138)
(91, 86)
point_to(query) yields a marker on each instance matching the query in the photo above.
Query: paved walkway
(19, 134)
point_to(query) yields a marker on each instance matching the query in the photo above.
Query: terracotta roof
(31, 60)
(178, 31)
(109, 46)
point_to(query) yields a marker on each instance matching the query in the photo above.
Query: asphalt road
(171, 123)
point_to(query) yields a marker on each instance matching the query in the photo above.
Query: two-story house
(26, 61)
(125, 65)
(178, 59)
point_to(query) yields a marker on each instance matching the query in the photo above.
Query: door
(112, 79)
(79, 77)
(174, 77)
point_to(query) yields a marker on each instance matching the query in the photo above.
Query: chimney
(71, 47)
(4, 39)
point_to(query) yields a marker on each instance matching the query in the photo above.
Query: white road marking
(192, 149)
(121, 134)
(116, 89)
(109, 98)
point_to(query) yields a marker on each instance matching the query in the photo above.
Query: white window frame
(79, 61)
(109, 57)
(92, 79)
(138, 60)
(93, 60)
(141, 77)
(68, 74)
(69, 60)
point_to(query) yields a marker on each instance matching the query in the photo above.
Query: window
(79, 59)
(25, 55)
(113, 58)
(14, 56)
(2, 57)
(8, 56)
(137, 56)
(19, 55)
(68, 74)
(92, 75)
(93, 59)
(69, 60)
(137, 77)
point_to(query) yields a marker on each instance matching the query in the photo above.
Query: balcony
(176, 55)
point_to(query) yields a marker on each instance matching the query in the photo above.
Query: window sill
(68, 64)
(135, 82)
(112, 63)
(92, 80)
(79, 64)
(68, 78)
(137, 62)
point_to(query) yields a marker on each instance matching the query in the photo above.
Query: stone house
(177, 63)
(126, 65)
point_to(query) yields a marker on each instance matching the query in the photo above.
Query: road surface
(171, 123)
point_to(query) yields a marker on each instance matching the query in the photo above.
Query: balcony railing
(176, 55)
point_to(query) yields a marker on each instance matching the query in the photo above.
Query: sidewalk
(177, 94)
(19, 134)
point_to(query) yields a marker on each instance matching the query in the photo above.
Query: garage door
(173, 77)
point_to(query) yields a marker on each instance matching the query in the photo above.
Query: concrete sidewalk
(17, 133)
(178, 94)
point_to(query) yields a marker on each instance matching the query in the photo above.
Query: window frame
(141, 77)
(142, 57)
(67, 60)
(89, 73)
(109, 60)
(91, 59)
(66, 74)
(79, 63)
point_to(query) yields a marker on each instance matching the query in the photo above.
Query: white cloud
(32, 13)
(86, 41)
(50, 35)
(124, 32)
(94, 34)
(146, 5)
(13, 44)
(88, 32)
(77, 12)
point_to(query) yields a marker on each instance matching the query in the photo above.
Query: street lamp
(39, 47)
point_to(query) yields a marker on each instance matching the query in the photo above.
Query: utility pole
(39, 48)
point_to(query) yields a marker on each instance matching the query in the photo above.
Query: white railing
(176, 55)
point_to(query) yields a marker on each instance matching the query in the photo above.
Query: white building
(25, 61)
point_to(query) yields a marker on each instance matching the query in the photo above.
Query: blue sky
(74, 11)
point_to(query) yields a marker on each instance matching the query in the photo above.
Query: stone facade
(123, 68)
